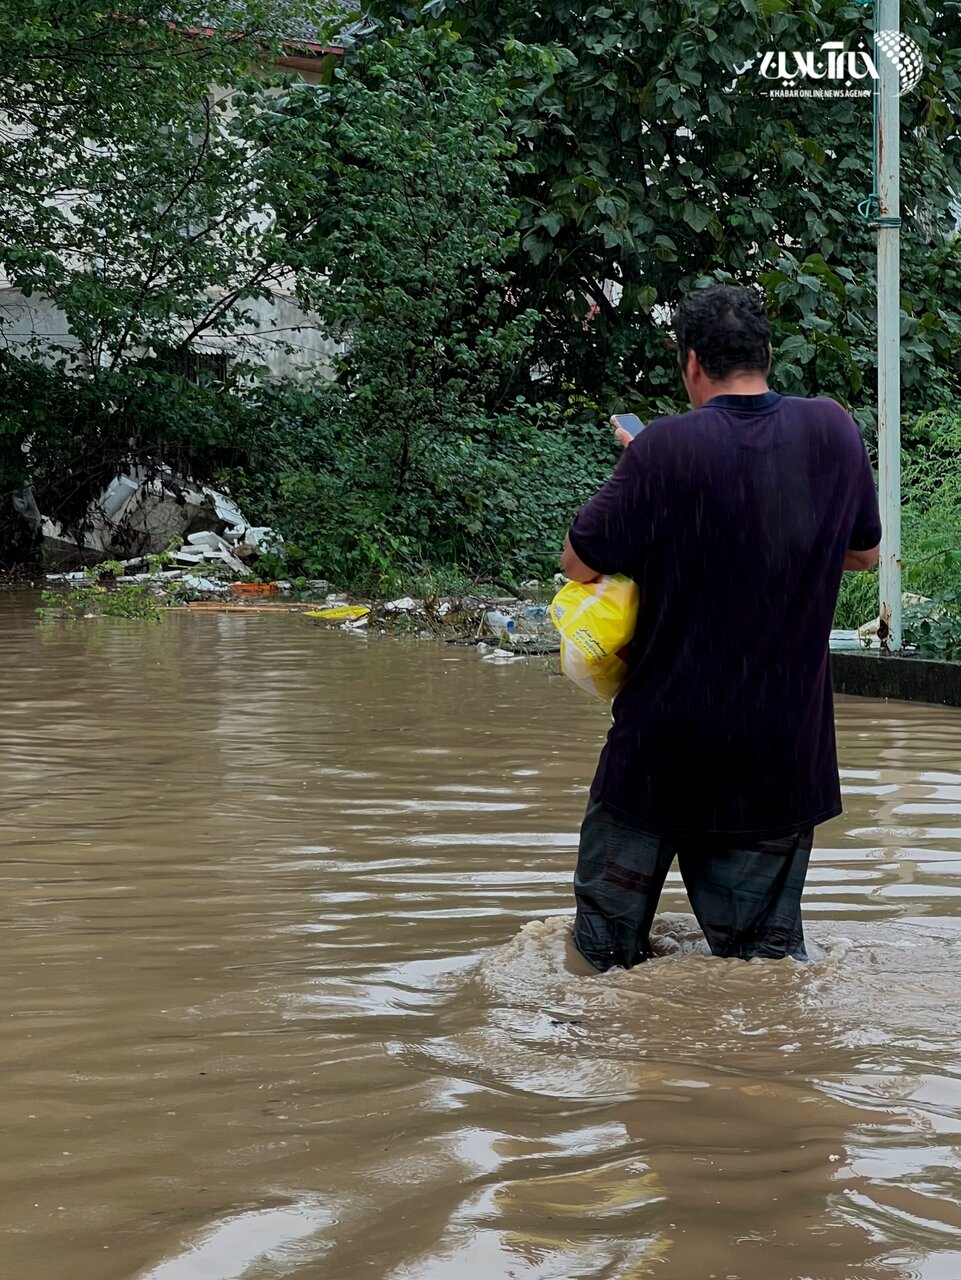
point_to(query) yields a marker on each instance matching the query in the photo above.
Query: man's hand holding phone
(626, 427)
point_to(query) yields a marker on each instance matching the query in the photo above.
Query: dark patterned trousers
(747, 900)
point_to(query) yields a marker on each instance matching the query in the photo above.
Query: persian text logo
(843, 69)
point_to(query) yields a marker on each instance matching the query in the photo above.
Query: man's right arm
(860, 561)
(864, 543)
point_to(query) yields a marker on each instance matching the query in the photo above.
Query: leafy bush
(931, 523)
(96, 596)
(494, 498)
(421, 455)
(936, 628)
(931, 541)
(857, 601)
(931, 514)
(69, 436)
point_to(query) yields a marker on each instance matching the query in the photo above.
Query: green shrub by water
(930, 538)
(493, 495)
(497, 497)
(931, 521)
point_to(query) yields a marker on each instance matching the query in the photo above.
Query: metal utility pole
(888, 170)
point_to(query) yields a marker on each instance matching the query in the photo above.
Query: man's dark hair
(726, 327)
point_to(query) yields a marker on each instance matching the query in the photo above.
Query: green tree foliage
(150, 208)
(421, 452)
(655, 164)
(496, 497)
(455, 202)
(409, 146)
(131, 199)
(129, 191)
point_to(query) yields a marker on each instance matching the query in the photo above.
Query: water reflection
(289, 992)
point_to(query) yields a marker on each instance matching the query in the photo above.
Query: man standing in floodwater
(736, 520)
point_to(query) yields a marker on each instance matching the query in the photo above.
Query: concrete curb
(876, 675)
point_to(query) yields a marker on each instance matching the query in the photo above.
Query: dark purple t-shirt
(734, 520)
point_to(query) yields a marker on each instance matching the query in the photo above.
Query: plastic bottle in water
(500, 623)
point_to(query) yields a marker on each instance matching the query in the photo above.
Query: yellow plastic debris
(596, 620)
(339, 612)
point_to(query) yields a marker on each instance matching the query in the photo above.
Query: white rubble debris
(263, 538)
(403, 605)
(238, 568)
(197, 583)
(498, 656)
(150, 512)
(842, 640)
(206, 539)
(165, 575)
(227, 510)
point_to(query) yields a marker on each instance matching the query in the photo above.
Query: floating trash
(255, 588)
(339, 613)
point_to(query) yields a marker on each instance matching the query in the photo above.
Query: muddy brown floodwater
(285, 993)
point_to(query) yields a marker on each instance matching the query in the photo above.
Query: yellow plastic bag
(596, 620)
(339, 612)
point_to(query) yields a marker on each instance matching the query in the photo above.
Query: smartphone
(630, 423)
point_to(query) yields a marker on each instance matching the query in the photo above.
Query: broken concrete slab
(207, 538)
(147, 510)
(197, 582)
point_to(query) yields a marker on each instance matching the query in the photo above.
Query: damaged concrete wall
(288, 342)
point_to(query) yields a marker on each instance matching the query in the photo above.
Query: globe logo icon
(902, 51)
